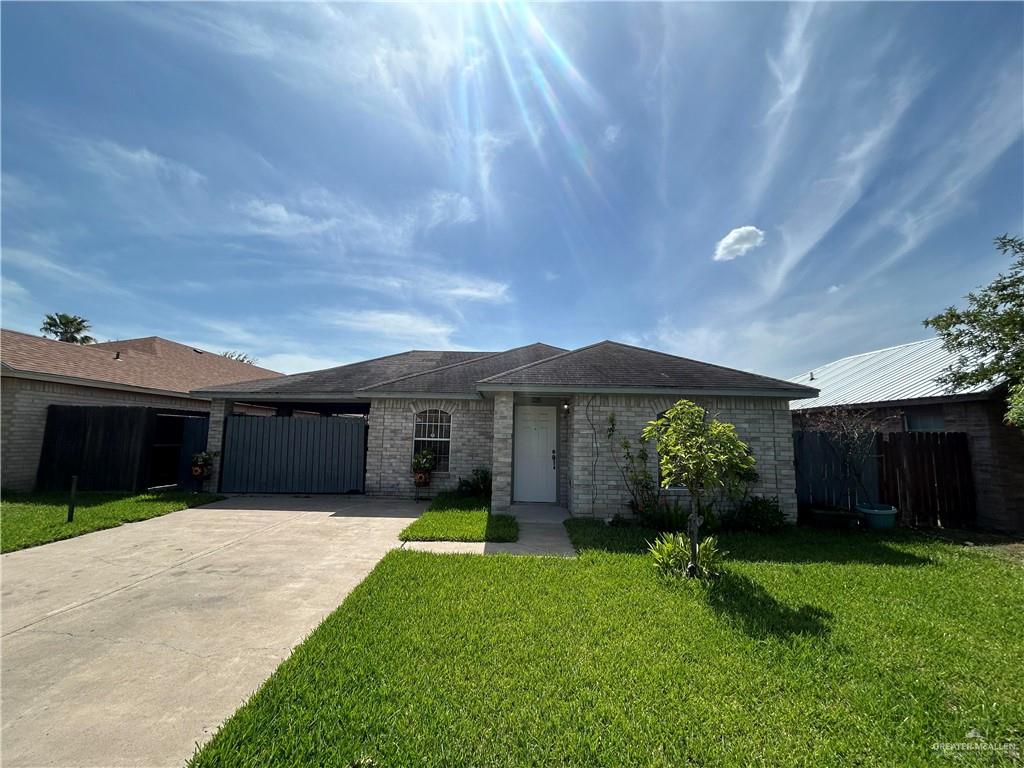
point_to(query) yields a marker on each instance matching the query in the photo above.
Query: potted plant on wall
(202, 464)
(422, 465)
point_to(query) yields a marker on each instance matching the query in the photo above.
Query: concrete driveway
(128, 646)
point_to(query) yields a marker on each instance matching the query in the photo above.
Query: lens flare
(537, 68)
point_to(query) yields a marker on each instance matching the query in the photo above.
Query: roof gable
(611, 365)
(462, 377)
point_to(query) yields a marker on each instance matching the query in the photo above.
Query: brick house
(901, 382)
(36, 373)
(535, 416)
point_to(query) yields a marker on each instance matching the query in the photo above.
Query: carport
(304, 447)
(316, 440)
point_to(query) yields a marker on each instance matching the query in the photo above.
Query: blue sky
(763, 186)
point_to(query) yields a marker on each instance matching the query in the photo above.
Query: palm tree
(69, 328)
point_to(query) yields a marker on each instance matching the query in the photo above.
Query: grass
(31, 519)
(817, 649)
(458, 518)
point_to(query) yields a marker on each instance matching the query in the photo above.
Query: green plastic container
(878, 516)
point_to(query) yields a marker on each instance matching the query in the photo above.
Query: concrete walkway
(127, 646)
(541, 532)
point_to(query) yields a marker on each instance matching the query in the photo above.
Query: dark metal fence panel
(926, 475)
(107, 447)
(118, 448)
(268, 454)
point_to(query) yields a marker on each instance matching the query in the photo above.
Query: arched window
(433, 433)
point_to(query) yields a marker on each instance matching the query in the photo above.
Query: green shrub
(666, 515)
(671, 555)
(477, 485)
(758, 513)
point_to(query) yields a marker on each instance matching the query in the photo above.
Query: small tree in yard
(705, 456)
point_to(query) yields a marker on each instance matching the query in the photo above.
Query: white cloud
(780, 346)
(444, 208)
(467, 288)
(834, 288)
(432, 284)
(701, 343)
(119, 164)
(942, 180)
(411, 328)
(789, 68)
(12, 290)
(272, 218)
(824, 202)
(611, 135)
(50, 268)
(738, 242)
(18, 192)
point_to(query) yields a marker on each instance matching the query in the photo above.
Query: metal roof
(906, 372)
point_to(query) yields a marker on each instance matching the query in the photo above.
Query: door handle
(554, 459)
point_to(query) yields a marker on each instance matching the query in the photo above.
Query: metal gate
(301, 454)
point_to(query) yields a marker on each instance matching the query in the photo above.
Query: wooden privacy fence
(925, 475)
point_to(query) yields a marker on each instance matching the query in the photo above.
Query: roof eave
(788, 394)
(907, 402)
(57, 378)
(291, 397)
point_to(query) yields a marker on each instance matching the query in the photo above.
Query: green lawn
(817, 649)
(457, 518)
(30, 519)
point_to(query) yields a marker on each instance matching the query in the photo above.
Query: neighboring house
(536, 416)
(902, 382)
(148, 372)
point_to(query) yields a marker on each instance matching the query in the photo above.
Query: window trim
(416, 422)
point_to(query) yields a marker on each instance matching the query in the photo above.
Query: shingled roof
(344, 380)
(607, 366)
(462, 377)
(149, 363)
(612, 366)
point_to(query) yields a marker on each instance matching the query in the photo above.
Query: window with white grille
(433, 432)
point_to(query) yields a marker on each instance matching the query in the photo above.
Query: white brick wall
(390, 443)
(23, 404)
(597, 488)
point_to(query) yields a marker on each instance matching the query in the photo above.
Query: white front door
(535, 459)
